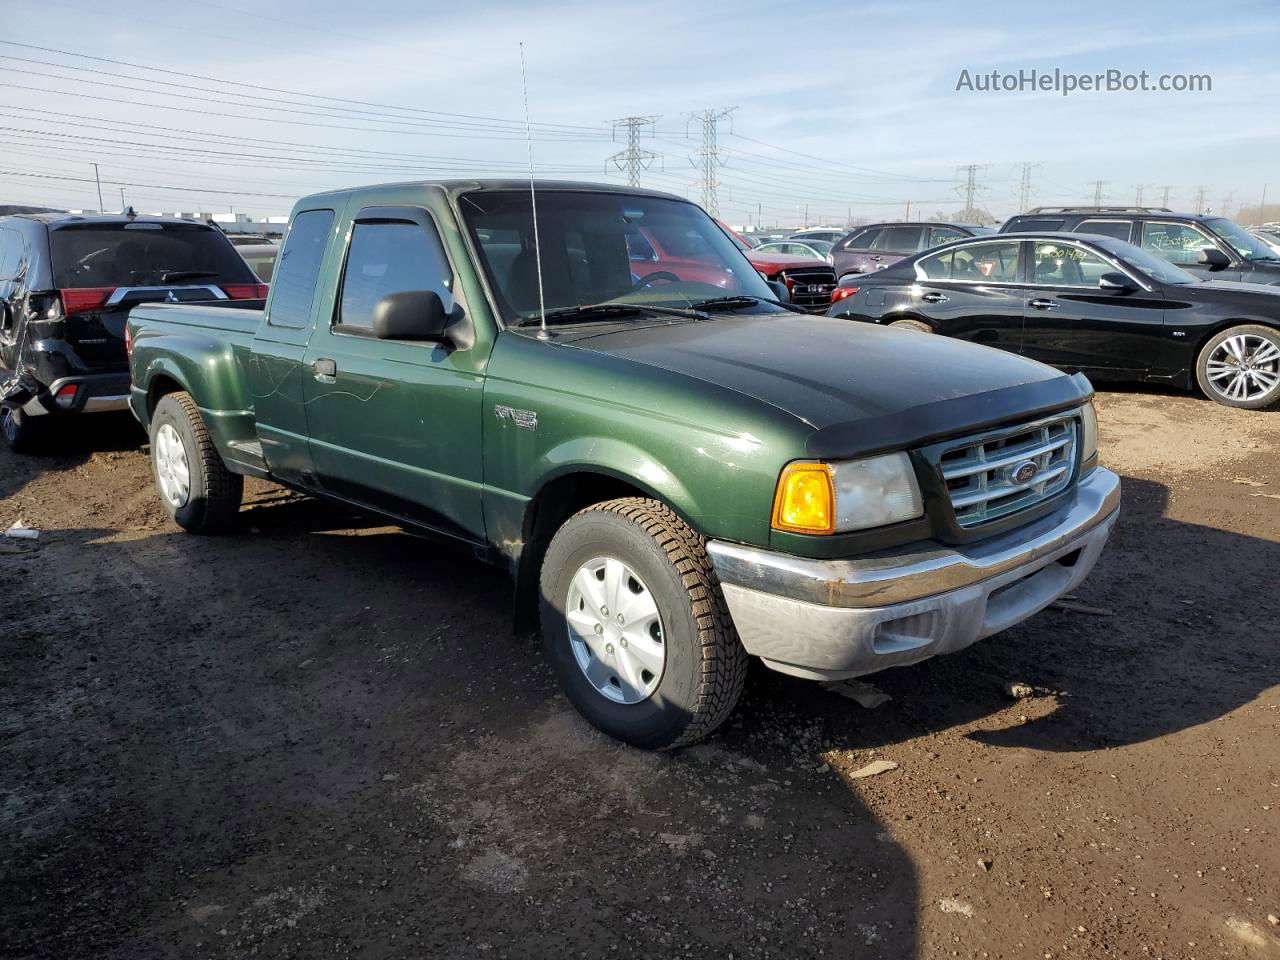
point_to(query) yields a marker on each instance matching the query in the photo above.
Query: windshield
(143, 254)
(1155, 267)
(1247, 245)
(604, 248)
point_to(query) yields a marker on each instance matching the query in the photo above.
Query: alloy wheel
(1244, 367)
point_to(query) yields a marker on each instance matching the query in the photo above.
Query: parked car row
(1084, 302)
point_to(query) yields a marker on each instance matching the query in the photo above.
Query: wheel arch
(561, 495)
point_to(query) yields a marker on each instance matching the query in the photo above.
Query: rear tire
(1240, 367)
(919, 326)
(687, 669)
(195, 486)
(22, 433)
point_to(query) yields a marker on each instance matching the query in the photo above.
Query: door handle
(324, 367)
(877, 258)
(1045, 304)
(935, 298)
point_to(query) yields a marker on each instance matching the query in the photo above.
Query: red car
(809, 282)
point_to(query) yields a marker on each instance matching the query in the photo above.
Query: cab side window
(1176, 242)
(388, 257)
(937, 267)
(293, 285)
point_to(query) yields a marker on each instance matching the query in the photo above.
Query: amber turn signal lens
(805, 501)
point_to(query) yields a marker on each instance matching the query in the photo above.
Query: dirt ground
(320, 738)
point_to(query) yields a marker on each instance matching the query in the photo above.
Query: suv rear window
(143, 254)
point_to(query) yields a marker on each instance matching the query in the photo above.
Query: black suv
(66, 286)
(1208, 246)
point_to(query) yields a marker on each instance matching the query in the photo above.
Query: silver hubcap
(1244, 367)
(615, 630)
(172, 472)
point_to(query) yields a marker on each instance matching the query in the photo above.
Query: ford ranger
(678, 470)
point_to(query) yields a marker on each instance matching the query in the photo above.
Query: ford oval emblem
(1024, 472)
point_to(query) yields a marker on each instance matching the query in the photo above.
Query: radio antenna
(533, 203)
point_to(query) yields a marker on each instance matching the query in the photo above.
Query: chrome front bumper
(832, 619)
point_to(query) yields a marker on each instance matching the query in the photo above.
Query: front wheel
(636, 626)
(1240, 367)
(197, 489)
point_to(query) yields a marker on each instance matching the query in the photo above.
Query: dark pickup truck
(678, 471)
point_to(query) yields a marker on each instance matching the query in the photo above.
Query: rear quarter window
(293, 284)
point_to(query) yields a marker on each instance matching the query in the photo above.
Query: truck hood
(862, 388)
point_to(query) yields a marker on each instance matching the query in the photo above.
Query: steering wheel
(654, 277)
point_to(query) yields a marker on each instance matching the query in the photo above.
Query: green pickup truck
(678, 470)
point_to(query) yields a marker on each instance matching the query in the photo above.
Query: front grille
(811, 286)
(1002, 472)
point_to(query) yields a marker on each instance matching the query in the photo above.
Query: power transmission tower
(970, 187)
(708, 158)
(1226, 204)
(1024, 189)
(1201, 193)
(633, 159)
(1164, 197)
(1139, 190)
(1097, 191)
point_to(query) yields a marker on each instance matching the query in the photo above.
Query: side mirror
(780, 291)
(1214, 258)
(1114, 283)
(410, 315)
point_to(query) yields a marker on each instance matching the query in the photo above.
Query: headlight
(1088, 437)
(823, 498)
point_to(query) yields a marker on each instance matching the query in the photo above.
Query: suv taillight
(80, 299)
(245, 291)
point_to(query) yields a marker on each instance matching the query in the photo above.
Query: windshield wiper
(743, 300)
(589, 311)
(172, 275)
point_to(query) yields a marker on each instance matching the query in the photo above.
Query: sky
(838, 109)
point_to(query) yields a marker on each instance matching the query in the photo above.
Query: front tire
(672, 673)
(195, 486)
(1240, 367)
(22, 433)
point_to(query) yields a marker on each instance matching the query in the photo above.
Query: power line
(708, 157)
(517, 125)
(633, 159)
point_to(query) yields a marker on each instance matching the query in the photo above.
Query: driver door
(395, 424)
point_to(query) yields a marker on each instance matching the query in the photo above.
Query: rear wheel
(1240, 367)
(636, 626)
(196, 488)
(22, 433)
(917, 325)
